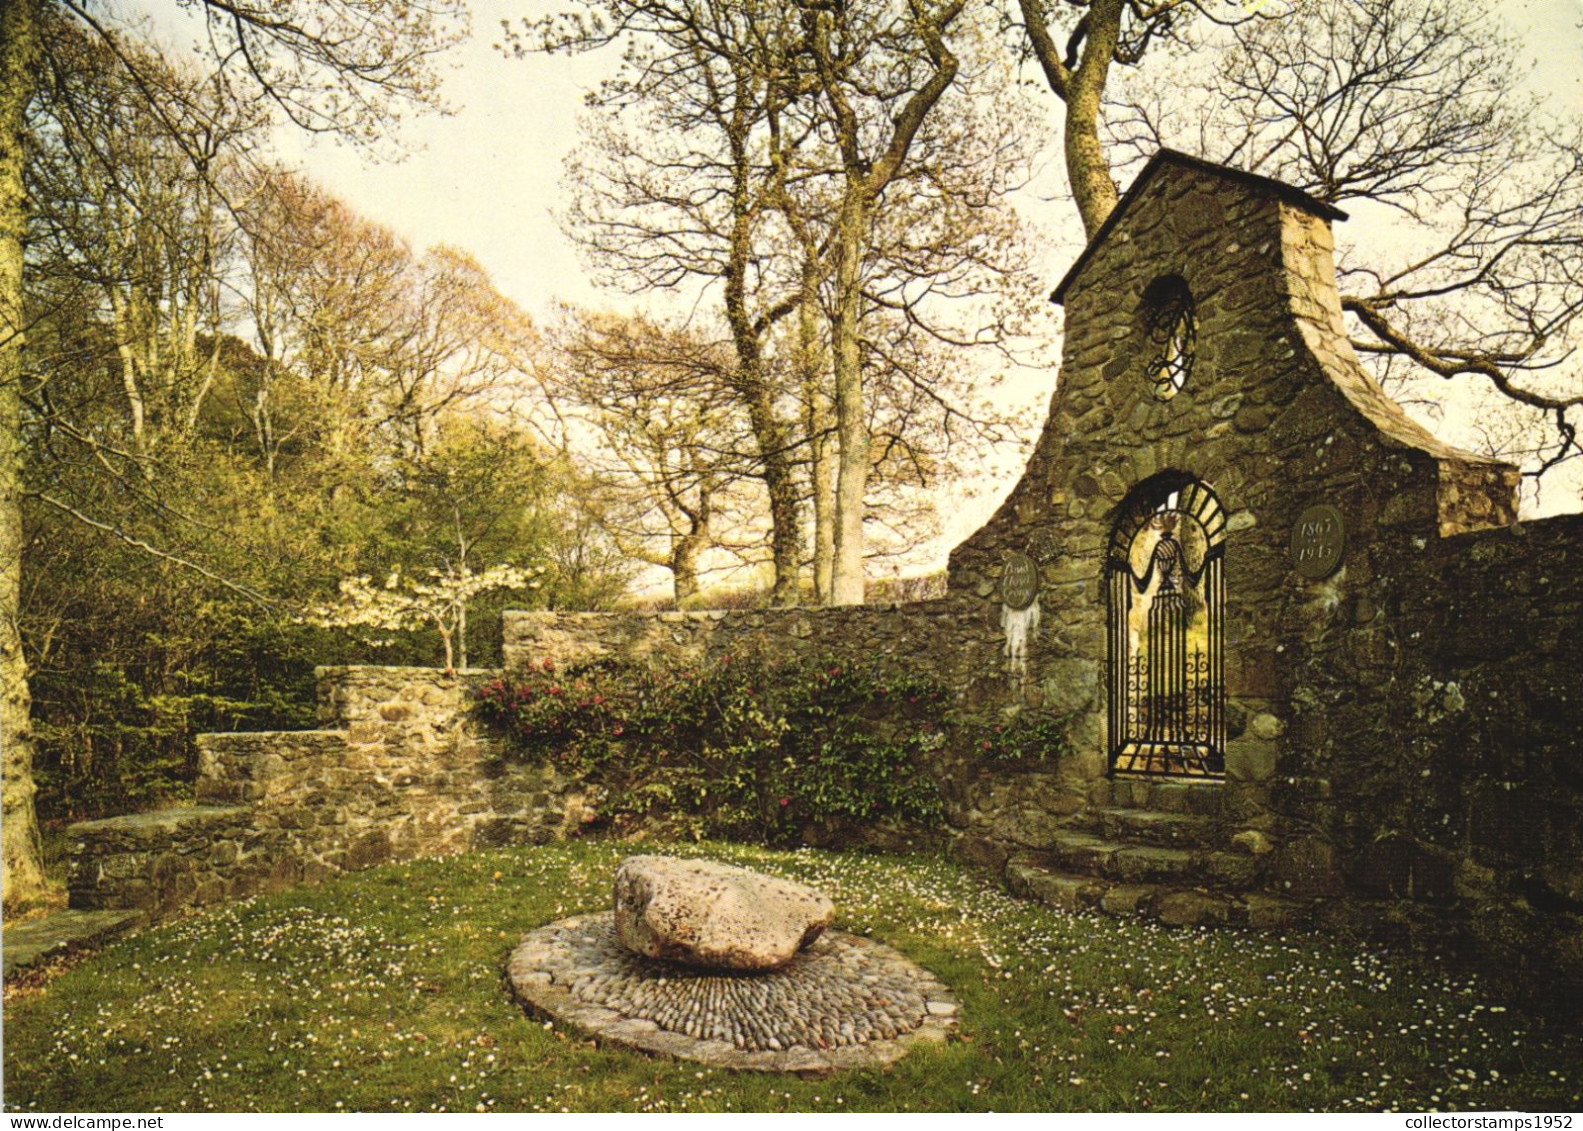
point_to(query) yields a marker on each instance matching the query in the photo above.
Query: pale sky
(488, 178)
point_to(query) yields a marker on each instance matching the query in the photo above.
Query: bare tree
(653, 415)
(125, 221)
(460, 340)
(906, 66)
(754, 147)
(674, 196)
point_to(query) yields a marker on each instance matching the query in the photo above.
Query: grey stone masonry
(403, 773)
(1399, 733)
(846, 1002)
(59, 932)
(165, 859)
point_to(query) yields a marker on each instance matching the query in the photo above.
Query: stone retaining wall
(1466, 808)
(405, 774)
(167, 859)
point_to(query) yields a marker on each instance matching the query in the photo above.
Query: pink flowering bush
(742, 746)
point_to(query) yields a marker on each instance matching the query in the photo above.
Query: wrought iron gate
(1166, 591)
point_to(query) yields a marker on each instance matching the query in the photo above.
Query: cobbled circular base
(844, 1002)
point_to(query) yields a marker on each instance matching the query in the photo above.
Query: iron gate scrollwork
(1166, 589)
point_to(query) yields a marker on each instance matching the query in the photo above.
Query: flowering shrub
(746, 746)
(1028, 737)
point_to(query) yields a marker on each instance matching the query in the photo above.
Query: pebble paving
(844, 1002)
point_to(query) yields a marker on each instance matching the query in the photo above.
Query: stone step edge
(319, 734)
(1194, 798)
(1154, 827)
(1079, 851)
(159, 819)
(1171, 904)
(28, 943)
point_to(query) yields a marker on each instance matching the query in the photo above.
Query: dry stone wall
(957, 642)
(1462, 806)
(399, 772)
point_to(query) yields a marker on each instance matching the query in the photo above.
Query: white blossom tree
(406, 603)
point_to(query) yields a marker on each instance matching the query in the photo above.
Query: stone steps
(148, 860)
(1128, 861)
(1173, 903)
(1162, 850)
(1150, 826)
(1203, 799)
(1092, 855)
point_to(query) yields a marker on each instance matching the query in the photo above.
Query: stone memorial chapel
(1302, 662)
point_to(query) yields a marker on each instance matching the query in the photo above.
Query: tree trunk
(684, 562)
(1086, 165)
(1082, 89)
(821, 448)
(865, 182)
(21, 854)
(846, 583)
(445, 639)
(136, 407)
(769, 431)
(785, 513)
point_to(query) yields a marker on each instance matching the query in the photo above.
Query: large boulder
(712, 915)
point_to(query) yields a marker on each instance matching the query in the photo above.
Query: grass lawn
(382, 992)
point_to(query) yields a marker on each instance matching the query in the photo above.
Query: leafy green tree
(484, 494)
(333, 66)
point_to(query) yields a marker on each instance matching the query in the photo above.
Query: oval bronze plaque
(1019, 581)
(1318, 540)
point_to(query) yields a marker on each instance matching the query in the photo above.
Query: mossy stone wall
(1400, 732)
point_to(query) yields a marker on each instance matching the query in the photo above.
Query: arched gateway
(1166, 596)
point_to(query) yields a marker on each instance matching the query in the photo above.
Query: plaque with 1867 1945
(1319, 538)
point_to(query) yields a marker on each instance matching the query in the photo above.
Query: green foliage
(746, 746)
(198, 472)
(1027, 737)
(134, 656)
(115, 717)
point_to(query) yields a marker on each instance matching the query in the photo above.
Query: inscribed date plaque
(1019, 581)
(1318, 540)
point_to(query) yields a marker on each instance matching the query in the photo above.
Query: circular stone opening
(842, 1002)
